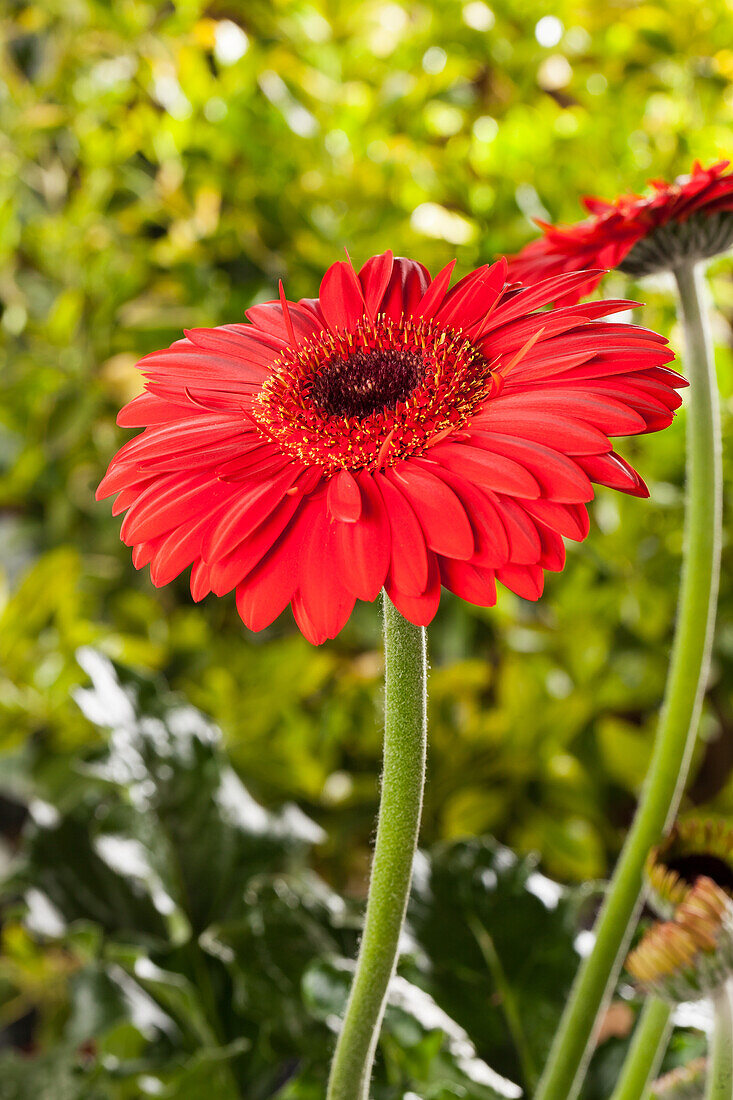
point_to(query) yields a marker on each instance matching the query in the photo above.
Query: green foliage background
(161, 166)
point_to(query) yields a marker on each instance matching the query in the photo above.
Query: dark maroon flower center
(691, 867)
(370, 397)
(367, 381)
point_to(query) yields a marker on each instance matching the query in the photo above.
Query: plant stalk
(403, 779)
(719, 1081)
(677, 731)
(646, 1051)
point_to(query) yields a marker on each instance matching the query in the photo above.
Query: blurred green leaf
(499, 937)
(160, 839)
(421, 1046)
(52, 1076)
(200, 946)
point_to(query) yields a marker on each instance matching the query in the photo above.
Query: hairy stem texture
(403, 778)
(719, 1084)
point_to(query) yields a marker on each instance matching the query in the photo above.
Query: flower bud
(690, 956)
(695, 847)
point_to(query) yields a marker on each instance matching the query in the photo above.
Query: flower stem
(678, 723)
(646, 1051)
(719, 1085)
(403, 778)
(506, 998)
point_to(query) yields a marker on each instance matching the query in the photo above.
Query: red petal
(486, 468)
(261, 461)
(441, 514)
(177, 550)
(574, 436)
(477, 586)
(492, 544)
(247, 511)
(527, 581)
(596, 205)
(143, 553)
(641, 392)
(667, 376)
(269, 317)
(344, 497)
(570, 520)
(611, 416)
(127, 473)
(512, 337)
(305, 625)
(200, 585)
(192, 434)
(341, 297)
(242, 351)
(364, 547)
(148, 408)
(409, 560)
(525, 547)
(225, 452)
(128, 497)
(263, 596)
(553, 549)
(653, 408)
(548, 363)
(407, 285)
(228, 572)
(322, 594)
(559, 477)
(374, 278)
(419, 610)
(470, 299)
(168, 502)
(269, 587)
(243, 335)
(541, 294)
(433, 297)
(614, 471)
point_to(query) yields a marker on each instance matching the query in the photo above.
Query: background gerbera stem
(646, 1050)
(675, 739)
(719, 1085)
(403, 778)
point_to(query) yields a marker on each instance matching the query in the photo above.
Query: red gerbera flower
(689, 219)
(391, 432)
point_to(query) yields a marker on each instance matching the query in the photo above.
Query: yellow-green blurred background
(162, 165)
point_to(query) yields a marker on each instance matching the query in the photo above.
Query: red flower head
(687, 220)
(391, 432)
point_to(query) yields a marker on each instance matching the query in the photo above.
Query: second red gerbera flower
(390, 433)
(683, 221)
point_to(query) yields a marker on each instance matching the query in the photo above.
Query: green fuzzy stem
(719, 1084)
(403, 779)
(646, 1051)
(678, 724)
